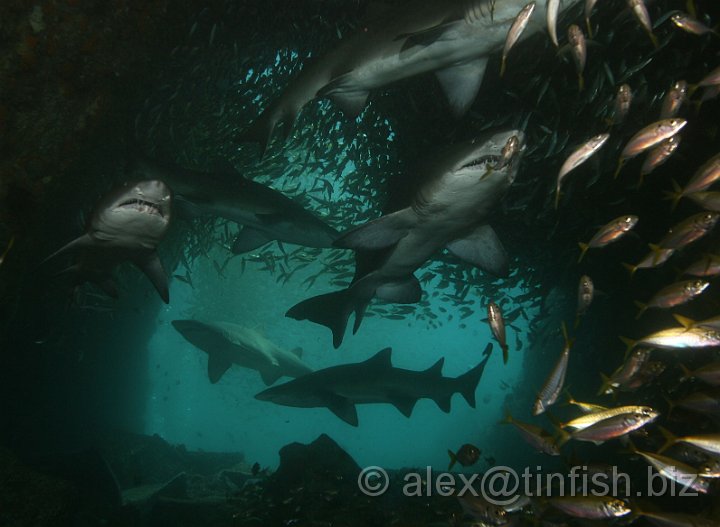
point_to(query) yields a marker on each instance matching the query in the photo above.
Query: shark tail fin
(466, 384)
(331, 310)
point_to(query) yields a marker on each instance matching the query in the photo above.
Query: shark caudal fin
(331, 310)
(466, 384)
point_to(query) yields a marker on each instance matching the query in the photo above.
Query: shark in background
(452, 38)
(264, 213)
(127, 225)
(340, 388)
(451, 209)
(227, 344)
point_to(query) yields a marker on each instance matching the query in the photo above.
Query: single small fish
(553, 7)
(710, 443)
(708, 323)
(578, 48)
(623, 100)
(673, 295)
(649, 137)
(613, 427)
(508, 152)
(709, 374)
(589, 6)
(689, 230)
(691, 25)
(577, 158)
(538, 438)
(678, 338)
(517, 28)
(673, 100)
(676, 471)
(611, 232)
(556, 379)
(589, 419)
(625, 374)
(590, 507)
(707, 200)
(467, 455)
(656, 257)
(659, 155)
(586, 408)
(711, 79)
(641, 13)
(497, 326)
(702, 179)
(706, 266)
(586, 293)
(481, 509)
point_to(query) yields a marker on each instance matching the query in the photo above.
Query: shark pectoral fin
(349, 98)
(343, 408)
(483, 249)
(404, 405)
(379, 233)
(82, 242)
(218, 364)
(153, 269)
(298, 352)
(270, 376)
(249, 239)
(461, 83)
(444, 403)
(407, 291)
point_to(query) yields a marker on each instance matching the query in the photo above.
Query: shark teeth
(142, 206)
(484, 160)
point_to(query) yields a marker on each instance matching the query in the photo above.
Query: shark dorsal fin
(436, 369)
(382, 359)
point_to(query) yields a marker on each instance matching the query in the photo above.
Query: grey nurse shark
(451, 209)
(265, 213)
(227, 344)
(126, 225)
(452, 38)
(340, 388)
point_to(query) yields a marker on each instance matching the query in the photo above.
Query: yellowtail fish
(625, 374)
(586, 293)
(707, 266)
(711, 79)
(612, 427)
(674, 99)
(538, 438)
(689, 230)
(675, 470)
(709, 374)
(691, 25)
(497, 326)
(623, 100)
(710, 443)
(656, 257)
(703, 178)
(577, 158)
(556, 379)
(707, 200)
(586, 408)
(641, 13)
(509, 151)
(678, 338)
(517, 28)
(553, 7)
(589, 419)
(578, 49)
(591, 507)
(589, 5)
(610, 233)
(659, 155)
(673, 295)
(649, 137)
(708, 323)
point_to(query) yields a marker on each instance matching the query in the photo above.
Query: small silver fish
(641, 13)
(623, 100)
(649, 137)
(517, 28)
(556, 379)
(553, 7)
(578, 48)
(586, 292)
(690, 24)
(674, 99)
(497, 325)
(609, 233)
(578, 157)
(658, 155)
